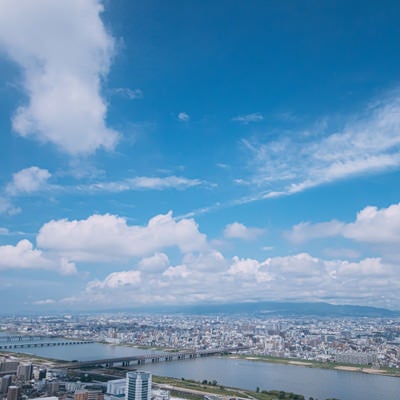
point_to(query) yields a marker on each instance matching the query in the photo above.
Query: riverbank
(192, 390)
(29, 357)
(327, 365)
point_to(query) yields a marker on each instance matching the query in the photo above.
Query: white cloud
(156, 263)
(237, 230)
(44, 302)
(244, 266)
(297, 277)
(254, 117)
(376, 226)
(129, 93)
(368, 143)
(372, 225)
(144, 182)
(306, 231)
(212, 261)
(179, 271)
(67, 267)
(108, 237)
(6, 207)
(116, 280)
(24, 256)
(223, 165)
(28, 180)
(4, 232)
(64, 51)
(182, 116)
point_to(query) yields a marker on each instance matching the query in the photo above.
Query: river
(247, 374)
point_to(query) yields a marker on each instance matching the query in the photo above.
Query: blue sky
(198, 152)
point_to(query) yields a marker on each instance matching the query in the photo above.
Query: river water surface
(247, 374)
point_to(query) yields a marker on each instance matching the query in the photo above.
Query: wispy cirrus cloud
(368, 143)
(143, 183)
(131, 94)
(247, 118)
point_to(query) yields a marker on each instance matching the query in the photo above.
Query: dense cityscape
(372, 344)
(368, 341)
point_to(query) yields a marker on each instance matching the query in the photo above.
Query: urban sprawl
(360, 341)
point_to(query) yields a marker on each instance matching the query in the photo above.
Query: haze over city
(165, 153)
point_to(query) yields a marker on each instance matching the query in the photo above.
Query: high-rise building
(116, 387)
(8, 366)
(13, 393)
(138, 386)
(5, 382)
(88, 395)
(24, 372)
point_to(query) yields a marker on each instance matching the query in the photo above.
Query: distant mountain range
(276, 309)
(264, 308)
(292, 309)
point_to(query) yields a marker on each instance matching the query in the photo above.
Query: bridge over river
(153, 358)
(21, 345)
(27, 338)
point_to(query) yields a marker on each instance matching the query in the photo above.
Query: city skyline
(213, 152)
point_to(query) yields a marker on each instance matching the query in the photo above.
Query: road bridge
(27, 338)
(19, 345)
(153, 358)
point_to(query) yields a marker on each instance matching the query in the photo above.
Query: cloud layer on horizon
(147, 270)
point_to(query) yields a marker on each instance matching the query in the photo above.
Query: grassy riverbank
(192, 390)
(367, 369)
(31, 357)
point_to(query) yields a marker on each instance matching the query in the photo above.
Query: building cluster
(25, 381)
(373, 341)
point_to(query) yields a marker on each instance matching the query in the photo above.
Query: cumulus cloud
(245, 119)
(24, 256)
(375, 225)
(237, 230)
(64, 51)
(116, 280)
(296, 277)
(368, 143)
(372, 225)
(211, 261)
(156, 263)
(28, 180)
(109, 237)
(180, 271)
(182, 116)
(6, 207)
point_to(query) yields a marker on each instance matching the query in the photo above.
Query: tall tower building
(14, 393)
(138, 386)
(24, 372)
